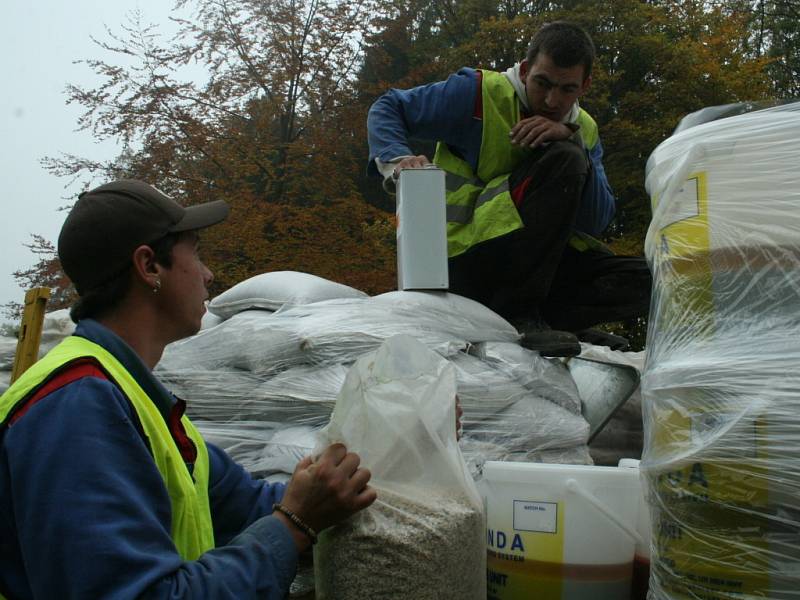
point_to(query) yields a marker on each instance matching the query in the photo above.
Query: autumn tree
(275, 121)
(776, 35)
(47, 273)
(262, 128)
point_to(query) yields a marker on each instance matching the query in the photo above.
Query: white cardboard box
(421, 230)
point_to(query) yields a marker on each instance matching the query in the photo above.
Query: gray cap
(108, 223)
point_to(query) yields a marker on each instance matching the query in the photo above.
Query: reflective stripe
(464, 213)
(477, 213)
(453, 182)
(490, 194)
(459, 214)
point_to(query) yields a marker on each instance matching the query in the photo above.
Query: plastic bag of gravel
(423, 538)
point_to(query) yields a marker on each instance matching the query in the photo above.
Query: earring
(156, 286)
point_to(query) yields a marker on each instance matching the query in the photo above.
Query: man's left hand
(536, 130)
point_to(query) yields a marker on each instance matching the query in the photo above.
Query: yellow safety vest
(192, 529)
(479, 205)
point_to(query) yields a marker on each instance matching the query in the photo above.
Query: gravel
(425, 545)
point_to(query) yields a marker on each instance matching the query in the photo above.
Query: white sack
(250, 340)
(273, 290)
(397, 411)
(500, 411)
(548, 378)
(464, 317)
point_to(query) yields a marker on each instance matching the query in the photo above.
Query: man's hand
(411, 162)
(325, 491)
(536, 130)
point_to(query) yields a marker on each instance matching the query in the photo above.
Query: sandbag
(423, 538)
(271, 291)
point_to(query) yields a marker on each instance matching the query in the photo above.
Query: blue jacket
(444, 112)
(84, 512)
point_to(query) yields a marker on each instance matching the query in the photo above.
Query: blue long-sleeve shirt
(84, 512)
(444, 112)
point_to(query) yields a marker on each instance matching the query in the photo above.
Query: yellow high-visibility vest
(479, 204)
(192, 529)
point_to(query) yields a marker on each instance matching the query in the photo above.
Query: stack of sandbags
(261, 378)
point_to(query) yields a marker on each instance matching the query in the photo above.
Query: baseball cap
(109, 222)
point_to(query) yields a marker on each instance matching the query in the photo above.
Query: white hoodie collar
(512, 74)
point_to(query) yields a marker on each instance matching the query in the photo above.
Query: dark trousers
(533, 272)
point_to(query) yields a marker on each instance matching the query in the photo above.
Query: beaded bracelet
(298, 522)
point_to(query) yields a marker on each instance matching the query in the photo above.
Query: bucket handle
(574, 487)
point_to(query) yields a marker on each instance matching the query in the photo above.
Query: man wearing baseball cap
(107, 489)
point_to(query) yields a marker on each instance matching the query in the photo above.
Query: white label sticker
(541, 517)
(685, 204)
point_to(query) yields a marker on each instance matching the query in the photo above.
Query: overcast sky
(38, 43)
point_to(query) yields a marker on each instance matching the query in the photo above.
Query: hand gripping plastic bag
(423, 538)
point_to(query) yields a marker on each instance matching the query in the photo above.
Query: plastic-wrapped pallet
(261, 383)
(8, 348)
(721, 387)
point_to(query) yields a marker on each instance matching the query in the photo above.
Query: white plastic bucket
(559, 531)
(641, 559)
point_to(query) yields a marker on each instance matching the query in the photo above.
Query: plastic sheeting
(622, 437)
(424, 537)
(261, 384)
(721, 385)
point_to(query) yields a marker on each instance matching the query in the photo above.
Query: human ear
(145, 267)
(586, 83)
(523, 69)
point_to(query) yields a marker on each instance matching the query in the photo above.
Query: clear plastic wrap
(622, 437)
(423, 537)
(530, 370)
(287, 367)
(721, 385)
(336, 331)
(252, 341)
(500, 411)
(502, 419)
(5, 381)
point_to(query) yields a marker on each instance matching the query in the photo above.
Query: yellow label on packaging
(687, 233)
(711, 553)
(682, 265)
(525, 551)
(741, 480)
